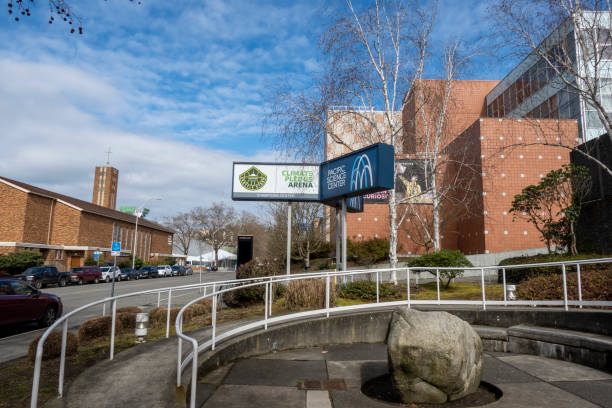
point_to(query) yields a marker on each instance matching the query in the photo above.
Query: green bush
(523, 274)
(368, 251)
(596, 284)
(254, 294)
(367, 290)
(444, 258)
(18, 262)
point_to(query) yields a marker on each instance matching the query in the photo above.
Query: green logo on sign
(253, 179)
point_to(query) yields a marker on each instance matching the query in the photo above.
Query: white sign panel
(277, 182)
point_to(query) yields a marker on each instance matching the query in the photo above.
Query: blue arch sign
(363, 171)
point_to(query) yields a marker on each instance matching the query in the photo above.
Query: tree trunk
(393, 235)
(573, 246)
(217, 257)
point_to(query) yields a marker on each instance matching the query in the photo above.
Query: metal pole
(484, 306)
(60, 386)
(158, 298)
(338, 242)
(135, 239)
(266, 306)
(194, 374)
(214, 320)
(408, 286)
(564, 288)
(104, 309)
(438, 284)
(344, 234)
(504, 278)
(113, 285)
(271, 302)
(113, 320)
(377, 287)
(579, 284)
(289, 238)
(180, 354)
(327, 294)
(168, 313)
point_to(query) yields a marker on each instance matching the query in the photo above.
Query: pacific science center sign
(350, 176)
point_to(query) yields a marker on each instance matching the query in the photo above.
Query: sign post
(115, 251)
(289, 238)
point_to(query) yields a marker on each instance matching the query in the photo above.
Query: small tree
(19, 261)
(553, 206)
(185, 227)
(444, 258)
(306, 235)
(217, 226)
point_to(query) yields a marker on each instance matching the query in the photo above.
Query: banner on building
(275, 181)
(411, 185)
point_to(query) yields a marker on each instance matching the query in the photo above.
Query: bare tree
(306, 236)
(572, 42)
(277, 230)
(374, 57)
(250, 224)
(216, 226)
(185, 226)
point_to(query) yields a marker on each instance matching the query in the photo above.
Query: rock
(433, 356)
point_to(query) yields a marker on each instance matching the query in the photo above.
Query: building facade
(66, 230)
(106, 179)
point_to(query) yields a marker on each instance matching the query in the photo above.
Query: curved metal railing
(219, 287)
(192, 357)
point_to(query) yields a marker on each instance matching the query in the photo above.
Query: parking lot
(15, 340)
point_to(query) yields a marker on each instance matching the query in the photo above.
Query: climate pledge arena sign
(277, 182)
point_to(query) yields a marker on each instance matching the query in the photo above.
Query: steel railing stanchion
(564, 287)
(482, 284)
(104, 309)
(266, 306)
(214, 320)
(168, 313)
(438, 284)
(408, 286)
(327, 294)
(504, 281)
(377, 287)
(158, 298)
(60, 386)
(579, 284)
(271, 301)
(194, 373)
(113, 321)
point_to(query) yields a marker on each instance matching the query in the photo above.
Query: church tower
(105, 185)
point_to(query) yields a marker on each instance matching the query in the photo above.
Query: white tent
(210, 256)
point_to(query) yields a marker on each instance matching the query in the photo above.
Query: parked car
(20, 303)
(213, 268)
(108, 271)
(148, 272)
(84, 274)
(178, 270)
(41, 276)
(188, 271)
(164, 270)
(129, 274)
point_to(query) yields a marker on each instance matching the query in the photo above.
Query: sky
(177, 90)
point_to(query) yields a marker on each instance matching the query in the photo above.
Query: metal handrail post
(214, 320)
(266, 306)
(271, 301)
(168, 313)
(564, 287)
(377, 287)
(158, 298)
(180, 354)
(104, 309)
(60, 386)
(504, 280)
(327, 294)
(438, 284)
(408, 286)
(194, 373)
(579, 281)
(113, 321)
(484, 298)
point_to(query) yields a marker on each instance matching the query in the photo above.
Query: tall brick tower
(105, 184)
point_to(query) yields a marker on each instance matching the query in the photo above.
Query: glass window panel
(565, 112)
(593, 121)
(606, 101)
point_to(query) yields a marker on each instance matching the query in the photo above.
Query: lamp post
(138, 214)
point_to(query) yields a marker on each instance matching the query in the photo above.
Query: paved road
(14, 341)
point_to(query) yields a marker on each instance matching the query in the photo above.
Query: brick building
(66, 230)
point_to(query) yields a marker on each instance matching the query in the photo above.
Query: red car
(21, 303)
(84, 274)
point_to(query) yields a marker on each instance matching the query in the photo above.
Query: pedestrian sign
(116, 248)
(96, 255)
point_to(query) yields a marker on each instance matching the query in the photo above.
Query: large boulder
(433, 356)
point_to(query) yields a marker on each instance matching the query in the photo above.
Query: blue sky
(177, 89)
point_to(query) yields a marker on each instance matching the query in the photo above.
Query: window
(20, 288)
(59, 254)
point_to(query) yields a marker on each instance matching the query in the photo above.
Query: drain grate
(323, 385)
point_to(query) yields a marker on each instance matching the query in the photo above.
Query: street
(14, 340)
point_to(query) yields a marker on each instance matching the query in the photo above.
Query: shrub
(254, 294)
(368, 251)
(129, 309)
(309, 293)
(126, 321)
(159, 315)
(98, 327)
(596, 285)
(444, 258)
(53, 346)
(18, 262)
(523, 274)
(367, 290)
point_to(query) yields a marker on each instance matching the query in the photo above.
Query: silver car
(164, 270)
(107, 273)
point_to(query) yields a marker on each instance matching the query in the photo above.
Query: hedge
(523, 274)
(53, 345)
(595, 284)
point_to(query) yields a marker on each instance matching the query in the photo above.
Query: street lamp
(138, 214)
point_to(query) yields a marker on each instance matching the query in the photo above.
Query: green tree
(444, 258)
(554, 204)
(20, 261)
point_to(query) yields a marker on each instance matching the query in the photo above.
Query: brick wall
(65, 228)
(38, 212)
(12, 213)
